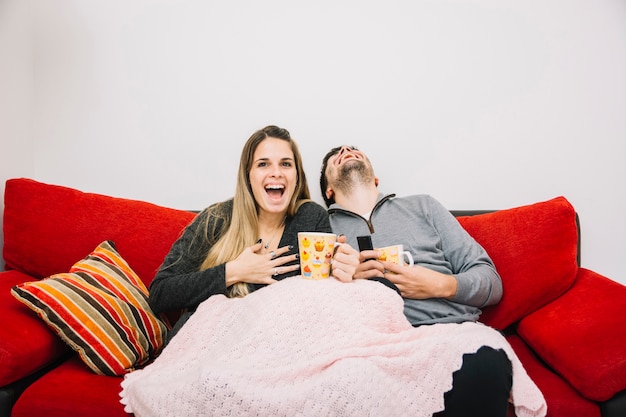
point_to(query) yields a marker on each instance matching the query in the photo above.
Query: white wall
(481, 103)
(16, 93)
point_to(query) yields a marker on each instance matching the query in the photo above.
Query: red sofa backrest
(47, 228)
(534, 249)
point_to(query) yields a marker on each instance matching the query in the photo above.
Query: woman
(239, 245)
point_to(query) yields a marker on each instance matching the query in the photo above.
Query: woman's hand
(345, 261)
(253, 267)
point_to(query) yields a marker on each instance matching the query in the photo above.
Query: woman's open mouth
(275, 191)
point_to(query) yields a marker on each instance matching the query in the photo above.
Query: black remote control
(365, 243)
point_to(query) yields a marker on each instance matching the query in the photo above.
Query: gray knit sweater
(437, 241)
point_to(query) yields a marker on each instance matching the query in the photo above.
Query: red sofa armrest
(582, 335)
(26, 342)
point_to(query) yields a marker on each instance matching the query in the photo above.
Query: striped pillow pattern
(100, 308)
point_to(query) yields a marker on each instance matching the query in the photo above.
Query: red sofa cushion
(48, 227)
(27, 344)
(562, 399)
(582, 335)
(534, 249)
(71, 389)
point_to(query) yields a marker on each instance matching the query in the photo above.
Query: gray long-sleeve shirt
(437, 241)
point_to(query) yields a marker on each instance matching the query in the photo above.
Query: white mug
(395, 253)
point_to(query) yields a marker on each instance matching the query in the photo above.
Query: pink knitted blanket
(313, 348)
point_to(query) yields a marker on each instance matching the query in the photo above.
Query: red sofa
(566, 323)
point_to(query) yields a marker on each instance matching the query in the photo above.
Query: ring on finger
(275, 272)
(272, 254)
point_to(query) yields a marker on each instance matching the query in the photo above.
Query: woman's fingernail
(259, 241)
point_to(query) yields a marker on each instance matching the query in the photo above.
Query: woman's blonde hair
(243, 229)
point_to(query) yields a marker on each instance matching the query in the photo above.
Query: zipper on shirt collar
(368, 221)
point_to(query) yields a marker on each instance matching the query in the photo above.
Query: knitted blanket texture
(313, 348)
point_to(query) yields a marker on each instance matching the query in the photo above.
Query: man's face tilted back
(347, 167)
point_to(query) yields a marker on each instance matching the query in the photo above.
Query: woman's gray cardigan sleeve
(179, 284)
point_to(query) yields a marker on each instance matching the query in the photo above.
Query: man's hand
(345, 260)
(369, 266)
(419, 283)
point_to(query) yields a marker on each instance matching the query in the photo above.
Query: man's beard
(353, 174)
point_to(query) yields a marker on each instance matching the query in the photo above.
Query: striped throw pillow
(100, 308)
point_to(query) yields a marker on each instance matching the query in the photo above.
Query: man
(453, 276)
